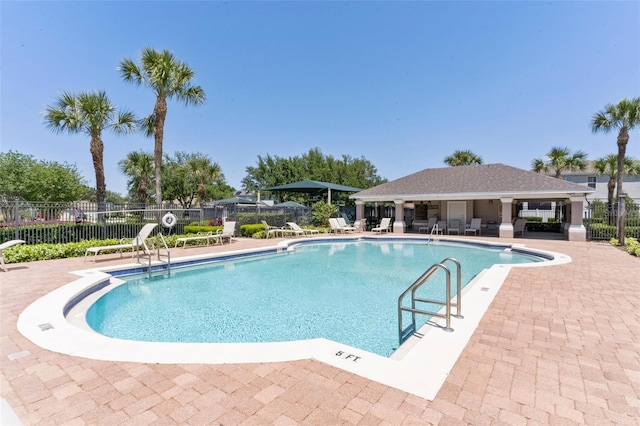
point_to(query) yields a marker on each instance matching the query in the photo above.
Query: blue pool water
(346, 292)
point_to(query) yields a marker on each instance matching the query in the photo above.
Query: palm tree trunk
(623, 138)
(161, 114)
(97, 154)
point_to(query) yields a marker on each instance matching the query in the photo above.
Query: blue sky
(402, 84)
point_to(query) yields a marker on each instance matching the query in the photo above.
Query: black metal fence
(54, 223)
(600, 221)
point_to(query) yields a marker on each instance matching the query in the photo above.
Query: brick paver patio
(559, 345)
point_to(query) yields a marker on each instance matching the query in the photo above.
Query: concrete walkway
(559, 345)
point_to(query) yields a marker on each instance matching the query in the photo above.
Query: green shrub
(194, 228)
(250, 230)
(259, 235)
(533, 219)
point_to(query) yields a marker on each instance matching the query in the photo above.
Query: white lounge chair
(360, 225)
(343, 223)
(272, 230)
(228, 231)
(301, 231)
(335, 226)
(200, 236)
(138, 243)
(4, 246)
(384, 226)
(474, 226)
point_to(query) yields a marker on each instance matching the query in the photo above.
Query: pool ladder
(161, 255)
(405, 333)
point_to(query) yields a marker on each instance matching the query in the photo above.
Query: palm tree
(608, 166)
(169, 79)
(89, 113)
(462, 158)
(138, 167)
(204, 172)
(560, 159)
(623, 117)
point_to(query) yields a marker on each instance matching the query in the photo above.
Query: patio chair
(454, 227)
(474, 226)
(138, 243)
(440, 227)
(6, 245)
(228, 231)
(301, 231)
(384, 226)
(272, 230)
(343, 223)
(429, 226)
(360, 225)
(335, 226)
(520, 226)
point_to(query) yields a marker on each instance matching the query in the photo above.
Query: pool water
(346, 292)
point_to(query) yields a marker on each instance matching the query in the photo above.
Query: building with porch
(491, 192)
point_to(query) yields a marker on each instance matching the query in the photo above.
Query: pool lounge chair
(301, 231)
(335, 226)
(227, 232)
(360, 225)
(4, 246)
(138, 243)
(474, 226)
(385, 225)
(201, 236)
(343, 223)
(272, 230)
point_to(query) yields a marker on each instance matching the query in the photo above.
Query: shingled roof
(472, 182)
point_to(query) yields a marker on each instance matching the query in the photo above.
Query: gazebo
(313, 187)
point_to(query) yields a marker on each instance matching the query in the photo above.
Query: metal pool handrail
(403, 333)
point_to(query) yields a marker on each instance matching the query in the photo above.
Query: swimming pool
(56, 321)
(343, 291)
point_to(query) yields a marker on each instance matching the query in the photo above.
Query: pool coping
(421, 371)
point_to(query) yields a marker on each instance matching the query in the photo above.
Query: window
(591, 182)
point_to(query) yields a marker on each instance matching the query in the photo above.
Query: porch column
(577, 231)
(359, 209)
(398, 224)
(506, 227)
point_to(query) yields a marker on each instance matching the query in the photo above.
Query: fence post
(16, 218)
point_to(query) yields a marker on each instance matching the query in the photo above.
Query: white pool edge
(421, 371)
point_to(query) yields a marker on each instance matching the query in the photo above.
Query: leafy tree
(89, 194)
(186, 175)
(138, 167)
(621, 117)
(169, 78)
(321, 212)
(608, 166)
(89, 113)
(203, 172)
(462, 158)
(29, 179)
(559, 160)
(313, 165)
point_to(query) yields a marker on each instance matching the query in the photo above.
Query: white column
(359, 209)
(398, 224)
(506, 227)
(577, 231)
